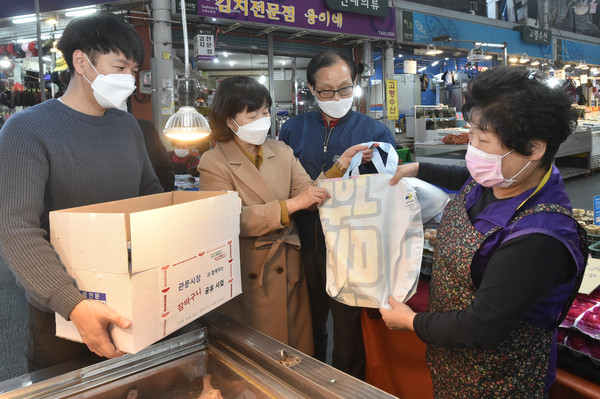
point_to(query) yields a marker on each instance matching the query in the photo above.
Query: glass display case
(445, 154)
(573, 155)
(224, 355)
(426, 119)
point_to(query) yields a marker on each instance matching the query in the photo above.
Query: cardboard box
(184, 259)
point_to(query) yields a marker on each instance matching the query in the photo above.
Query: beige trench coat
(274, 297)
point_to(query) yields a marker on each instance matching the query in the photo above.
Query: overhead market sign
(305, 14)
(378, 8)
(534, 35)
(191, 7)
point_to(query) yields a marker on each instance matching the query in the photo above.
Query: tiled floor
(13, 309)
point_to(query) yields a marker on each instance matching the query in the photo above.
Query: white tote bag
(374, 235)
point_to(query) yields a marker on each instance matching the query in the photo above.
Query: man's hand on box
(92, 319)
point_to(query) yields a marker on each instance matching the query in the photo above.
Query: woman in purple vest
(509, 255)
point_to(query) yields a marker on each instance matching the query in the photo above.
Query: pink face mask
(486, 168)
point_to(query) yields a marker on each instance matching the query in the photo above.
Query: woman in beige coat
(272, 185)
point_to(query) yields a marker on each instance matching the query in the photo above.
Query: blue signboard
(426, 27)
(576, 51)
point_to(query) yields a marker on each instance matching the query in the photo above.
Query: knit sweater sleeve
(24, 173)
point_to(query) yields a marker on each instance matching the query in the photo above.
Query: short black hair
(235, 95)
(518, 104)
(325, 59)
(103, 33)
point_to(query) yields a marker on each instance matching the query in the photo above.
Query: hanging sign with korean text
(305, 14)
(391, 88)
(534, 35)
(191, 7)
(204, 47)
(378, 8)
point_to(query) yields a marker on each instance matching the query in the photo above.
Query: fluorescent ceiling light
(81, 11)
(24, 19)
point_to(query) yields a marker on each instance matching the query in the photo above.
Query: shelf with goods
(578, 337)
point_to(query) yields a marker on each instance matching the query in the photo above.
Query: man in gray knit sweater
(64, 153)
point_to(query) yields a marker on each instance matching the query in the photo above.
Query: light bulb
(358, 91)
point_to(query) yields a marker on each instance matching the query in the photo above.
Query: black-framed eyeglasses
(344, 92)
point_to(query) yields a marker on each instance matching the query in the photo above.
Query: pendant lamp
(187, 124)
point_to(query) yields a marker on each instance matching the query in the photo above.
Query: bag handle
(390, 166)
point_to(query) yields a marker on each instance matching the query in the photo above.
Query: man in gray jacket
(73, 151)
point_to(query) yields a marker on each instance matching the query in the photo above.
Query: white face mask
(254, 132)
(112, 90)
(181, 153)
(336, 109)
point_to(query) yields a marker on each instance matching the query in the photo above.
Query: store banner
(391, 88)
(307, 14)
